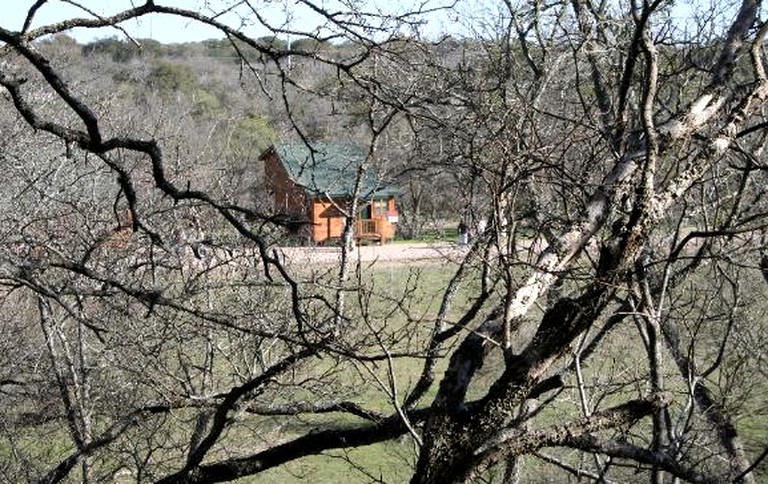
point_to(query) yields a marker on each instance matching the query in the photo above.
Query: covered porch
(376, 221)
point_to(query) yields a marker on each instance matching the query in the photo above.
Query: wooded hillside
(606, 321)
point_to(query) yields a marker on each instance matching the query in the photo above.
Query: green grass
(401, 303)
(406, 329)
(612, 377)
(386, 462)
(34, 449)
(449, 234)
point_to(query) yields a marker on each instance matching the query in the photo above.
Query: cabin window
(379, 208)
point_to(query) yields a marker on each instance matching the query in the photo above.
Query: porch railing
(367, 228)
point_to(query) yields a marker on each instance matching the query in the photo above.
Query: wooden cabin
(314, 189)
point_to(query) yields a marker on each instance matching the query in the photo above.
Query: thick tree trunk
(457, 429)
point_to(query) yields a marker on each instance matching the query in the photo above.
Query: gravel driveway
(399, 253)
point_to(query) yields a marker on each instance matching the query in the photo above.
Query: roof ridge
(330, 168)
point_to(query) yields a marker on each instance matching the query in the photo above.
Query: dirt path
(400, 253)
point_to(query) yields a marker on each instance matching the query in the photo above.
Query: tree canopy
(605, 322)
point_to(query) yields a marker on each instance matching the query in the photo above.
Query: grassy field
(407, 327)
(394, 307)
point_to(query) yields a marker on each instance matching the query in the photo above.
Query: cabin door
(365, 212)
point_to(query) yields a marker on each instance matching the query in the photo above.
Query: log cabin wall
(288, 197)
(315, 197)
(327, 220)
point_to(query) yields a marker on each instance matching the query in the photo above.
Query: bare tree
(606, 322)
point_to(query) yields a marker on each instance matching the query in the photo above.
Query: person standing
(463, 233)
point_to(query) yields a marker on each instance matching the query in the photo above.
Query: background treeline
(205, 90)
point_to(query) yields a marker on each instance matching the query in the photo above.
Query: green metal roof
(330, 169)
